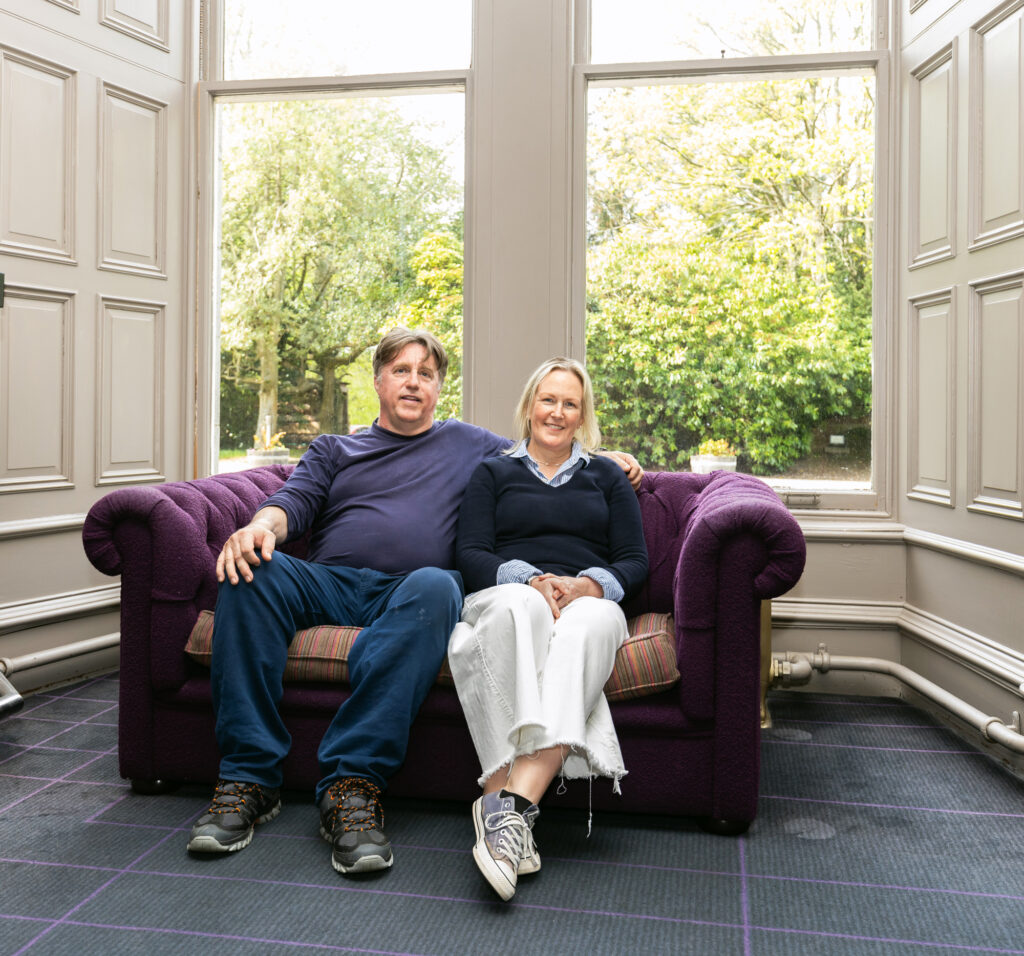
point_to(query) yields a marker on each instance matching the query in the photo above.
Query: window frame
(211, 90)
(819, 501)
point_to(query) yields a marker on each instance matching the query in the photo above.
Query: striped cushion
(645, 663)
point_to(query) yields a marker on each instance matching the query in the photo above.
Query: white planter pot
(705, 464)
(255, 457)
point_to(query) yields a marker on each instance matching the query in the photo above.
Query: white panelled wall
(102, 276)
(94, 153)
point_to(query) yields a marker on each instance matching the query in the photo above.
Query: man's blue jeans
(406, 621)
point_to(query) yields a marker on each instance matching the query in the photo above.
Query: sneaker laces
(512, 831)
(355, 819)
(230, 795)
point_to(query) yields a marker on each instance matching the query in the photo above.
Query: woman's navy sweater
(593, 520)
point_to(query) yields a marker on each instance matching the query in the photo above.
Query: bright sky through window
(652, 30)
(344, 37)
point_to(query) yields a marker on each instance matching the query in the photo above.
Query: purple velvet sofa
(719, 544)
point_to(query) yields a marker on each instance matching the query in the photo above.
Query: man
(381, 506)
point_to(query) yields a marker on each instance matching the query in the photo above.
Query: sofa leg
(152, 788)
(723, 827)
(766, 661)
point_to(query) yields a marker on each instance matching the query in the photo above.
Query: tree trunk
(343, 422)
(328, 395)
(269, 376)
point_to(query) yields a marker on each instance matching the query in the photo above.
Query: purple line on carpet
(805, 699)
(68, 725)
(110, 806)
(428, 897)
(237, 938)
(67, 866)
(746, 874)
(49, 781)
(82, 685)
(49, 929)
(58, 750)
(63, 779)
(962, 947)
(157, 826)
(895, 750)
(416, 846)
(743, 875)
(891, 806)
(846, 723)
(889, 886)
(86, 700)
(744, 897)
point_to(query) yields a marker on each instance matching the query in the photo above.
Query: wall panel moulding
(932, 377)
(130, 391)
(996, 163)
(36, 384)
(133, 179)
(38, 106)
(932, 167)
(996, 401)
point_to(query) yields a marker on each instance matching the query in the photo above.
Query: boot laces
(353, 818)
(229, 796)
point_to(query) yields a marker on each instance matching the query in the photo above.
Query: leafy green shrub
(686, 340)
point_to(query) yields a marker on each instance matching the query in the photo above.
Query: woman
(549, 541)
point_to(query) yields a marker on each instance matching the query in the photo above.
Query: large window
(703, 201)
(730, 236)
(339, 213)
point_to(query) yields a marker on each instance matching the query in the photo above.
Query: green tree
(323, 203)
(730, 262)
(698, 341)
(436, 305)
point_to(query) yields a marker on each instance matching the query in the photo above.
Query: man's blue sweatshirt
(381, 500)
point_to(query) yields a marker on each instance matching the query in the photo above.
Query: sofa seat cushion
(645, 663)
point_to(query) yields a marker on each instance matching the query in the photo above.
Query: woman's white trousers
(527, 682)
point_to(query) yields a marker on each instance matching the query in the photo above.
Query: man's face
(408, 388)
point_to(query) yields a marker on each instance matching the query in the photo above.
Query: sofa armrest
(186, 517)
(163, 540)
(733, 505)
(740, 547)
(719, 544)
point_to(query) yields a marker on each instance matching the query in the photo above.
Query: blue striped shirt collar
(578, 458)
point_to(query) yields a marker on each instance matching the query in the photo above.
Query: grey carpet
(878, 833)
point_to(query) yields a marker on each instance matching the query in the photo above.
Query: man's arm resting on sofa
(239, 555)
(627, 463)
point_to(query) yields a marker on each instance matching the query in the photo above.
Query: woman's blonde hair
(588, 434)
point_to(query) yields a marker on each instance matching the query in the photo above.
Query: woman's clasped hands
(561, 590)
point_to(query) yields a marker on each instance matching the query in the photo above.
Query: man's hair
(588, 434)
(398, 338)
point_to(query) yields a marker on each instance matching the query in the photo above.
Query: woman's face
(556, 414)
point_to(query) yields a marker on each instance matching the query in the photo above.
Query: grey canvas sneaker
(504, 847)
(229, 821)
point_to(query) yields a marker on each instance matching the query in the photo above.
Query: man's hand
(628, 464)
(251, 545)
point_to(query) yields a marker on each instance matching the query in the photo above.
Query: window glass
(729, 271)
(651, 30)
(271, 38)
(338, 219)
